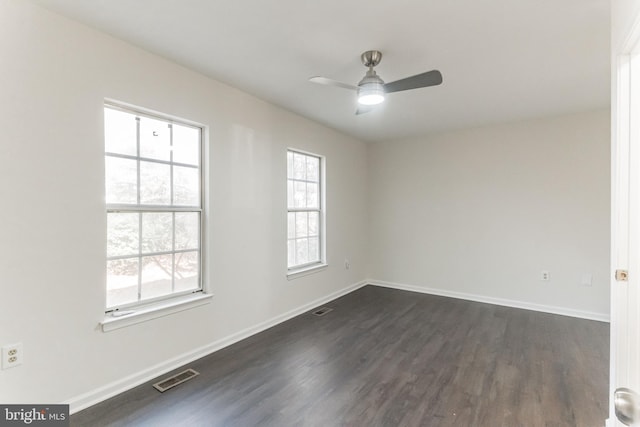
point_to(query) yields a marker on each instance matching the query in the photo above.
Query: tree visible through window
(305, 216)
(154, 207)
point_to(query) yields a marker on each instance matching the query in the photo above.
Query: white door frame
(625, 219)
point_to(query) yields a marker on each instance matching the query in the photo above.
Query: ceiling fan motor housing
(371, 89)
(371, 77)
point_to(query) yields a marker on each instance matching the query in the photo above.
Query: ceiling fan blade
(430, 78)
(331, 82)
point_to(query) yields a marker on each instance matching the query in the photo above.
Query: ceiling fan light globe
(370, 94)
(371, 99)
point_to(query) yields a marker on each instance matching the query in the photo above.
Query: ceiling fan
(372, 89)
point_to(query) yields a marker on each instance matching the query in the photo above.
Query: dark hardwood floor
(385, 357)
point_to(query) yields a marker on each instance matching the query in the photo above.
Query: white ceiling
(502, 60)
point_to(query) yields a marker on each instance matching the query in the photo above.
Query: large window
(305, 234)
(153, 181)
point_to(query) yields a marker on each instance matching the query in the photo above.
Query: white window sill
(305, 271)
(152, 311)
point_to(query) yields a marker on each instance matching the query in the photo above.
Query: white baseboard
(601, 317)
(93, 397)
(85, 400)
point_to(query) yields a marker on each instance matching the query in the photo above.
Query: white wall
(622, 14)
(54, 77)
(480, 213)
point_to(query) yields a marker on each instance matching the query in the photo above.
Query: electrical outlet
(545, 276)
(587, 279)
(347, 264)
(12, 355)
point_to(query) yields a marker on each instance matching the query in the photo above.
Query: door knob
(626, 403)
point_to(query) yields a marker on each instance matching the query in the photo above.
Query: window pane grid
(150, 160)
(171, 180)
(118, 208)
(138, 199)
(304, 228)
(139, 293)
(288, 179)
(173, 247)
(147, 254)
(155, 272)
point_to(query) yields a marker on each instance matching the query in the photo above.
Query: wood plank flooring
(385, 357)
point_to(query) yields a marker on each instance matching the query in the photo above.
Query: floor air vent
(174, 380)
(322, 311)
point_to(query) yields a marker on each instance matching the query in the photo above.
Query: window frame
(303, 269)
(144, 306)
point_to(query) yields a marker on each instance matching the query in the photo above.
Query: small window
(153, 179)
(305, 216)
